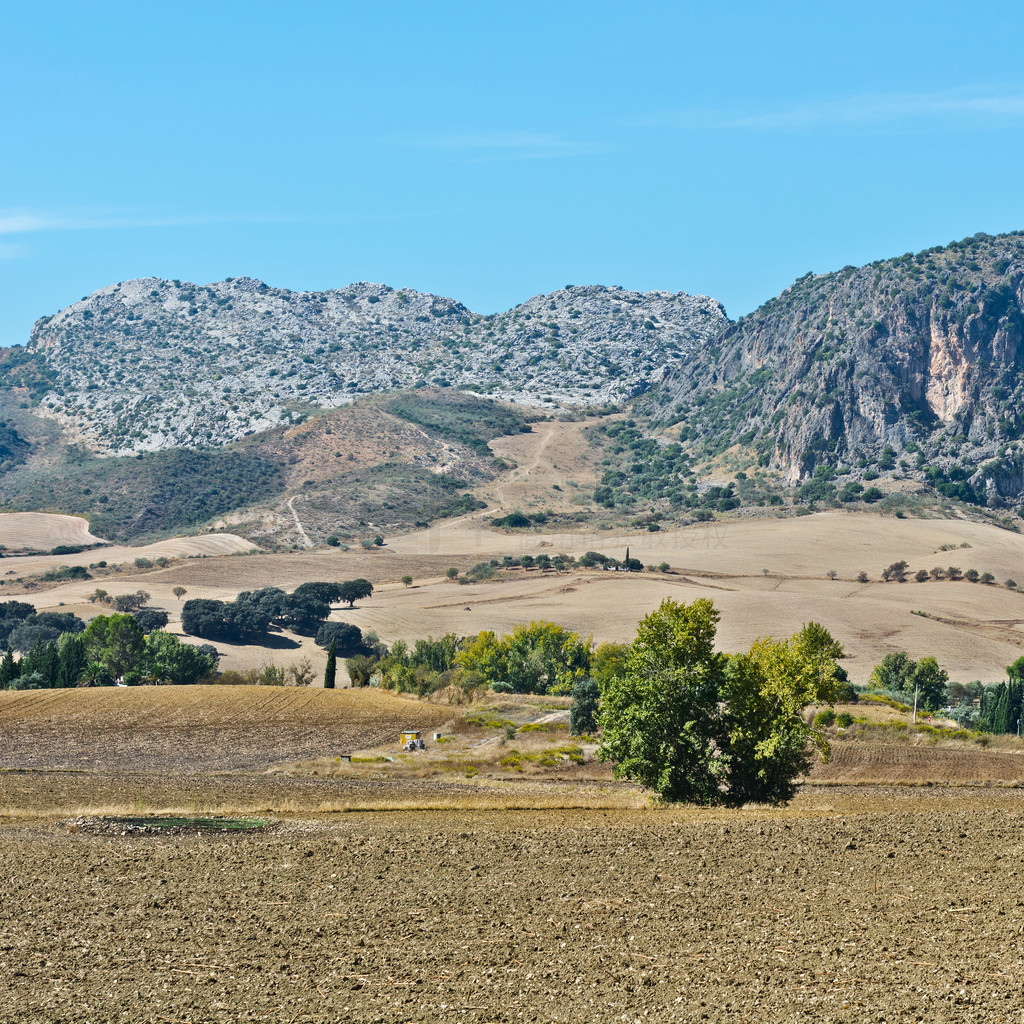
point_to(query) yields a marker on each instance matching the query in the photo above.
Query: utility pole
(916, 688)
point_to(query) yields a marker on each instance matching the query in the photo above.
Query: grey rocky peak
(151, 364)
(912, 366)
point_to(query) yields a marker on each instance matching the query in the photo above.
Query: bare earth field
(887, 902)
(199, 729)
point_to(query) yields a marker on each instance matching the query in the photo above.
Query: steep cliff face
(150, 364)
(915, 360)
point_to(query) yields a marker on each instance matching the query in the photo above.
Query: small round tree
(586, 696)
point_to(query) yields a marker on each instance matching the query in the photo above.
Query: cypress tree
(9, 669)
(332, 667)
(33, 660)
(72, 660)
(49, 665)
(1001, 715)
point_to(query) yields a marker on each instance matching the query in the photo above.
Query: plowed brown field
(906, 914)
(199, 728)
(853, 904)
(886, 763)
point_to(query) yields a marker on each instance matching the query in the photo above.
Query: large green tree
(117, 643)
(695, 725)
(354, 590)
(766, 692)
(899, 673)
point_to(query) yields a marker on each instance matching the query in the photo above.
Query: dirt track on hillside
(907, 915)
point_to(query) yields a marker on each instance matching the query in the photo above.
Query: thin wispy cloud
(868, 111)
(9, 252)
(14, 222)
(886, 110)
(502, 145)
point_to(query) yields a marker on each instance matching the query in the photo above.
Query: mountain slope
(910, 366)
(381, 463)
(149, 364)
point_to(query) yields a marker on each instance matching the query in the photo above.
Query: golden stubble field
(498, 900)
(765, 576)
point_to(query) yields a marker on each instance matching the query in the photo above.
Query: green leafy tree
(541, 657)
(766, 692)
(608, 660)
(331, 670)
(346, 638)
(437, 655)
(930, 682)
(660, 721)
(697, 726)
(895, 673)
(167, 659)
(586, 698)
(899, 673)
(72, 659)
(150, 619)
(117, 643)
(354, 590)
(361, 669)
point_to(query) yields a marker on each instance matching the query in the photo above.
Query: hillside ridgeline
(147, 365)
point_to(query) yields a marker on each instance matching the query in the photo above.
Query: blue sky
(493, 151)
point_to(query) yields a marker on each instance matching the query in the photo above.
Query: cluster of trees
(822, 487)
(700, 726)
(1002, 705)
(991, 707)
(541, 657)
(134, 604)
(560, 562)
(112, 648)
(899, 572)
(429, 665)
(22, 627)
(254, 612)
(901, 676)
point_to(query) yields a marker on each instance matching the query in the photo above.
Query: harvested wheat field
(393, 890)
(765, 577)
(42, 530)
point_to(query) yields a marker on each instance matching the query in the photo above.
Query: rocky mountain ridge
(147, 365)
(910, 366)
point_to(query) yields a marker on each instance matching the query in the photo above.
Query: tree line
(254, 613)
(111, 649)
